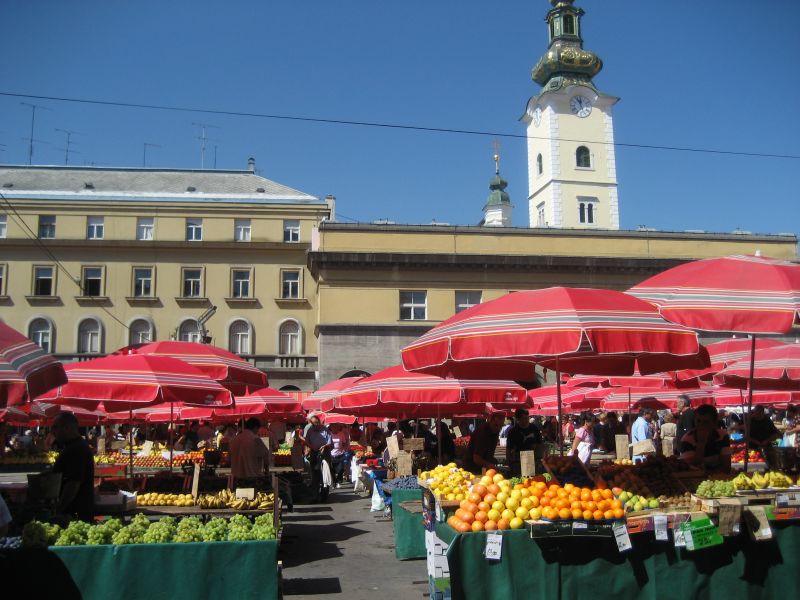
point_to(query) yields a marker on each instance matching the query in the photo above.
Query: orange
(550, 494)
(490, 498)
(464, 527)
(484, 506)
(490, 526)
(552, 513)
(477, 526)
(553, 487)
(587, 514)
(609, 514)
(607, 494)
(541, 485)
(598, 515)
(561, 504)
(591, 506)
(490, 473)
(493, 488)
(586, 495)
(562, 493)
(502, 524)
(616, 504)
(564, 513)
(475, 498)
(480, 490)
(534, 501)
(602, 505)
(577, 513)
(481, 516)
(518, 486)
(575, 504)
(545, 501)
(465, 515)
(618, 513)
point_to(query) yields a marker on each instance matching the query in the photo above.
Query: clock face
(537, 115)
(581, 106)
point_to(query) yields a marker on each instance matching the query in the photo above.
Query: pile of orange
(493, 503)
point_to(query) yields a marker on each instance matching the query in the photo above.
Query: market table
(409, 532)
(573, 567)
(174, 571)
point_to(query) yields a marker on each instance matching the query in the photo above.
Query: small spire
(496, 146)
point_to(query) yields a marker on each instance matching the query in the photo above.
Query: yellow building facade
(93, 259)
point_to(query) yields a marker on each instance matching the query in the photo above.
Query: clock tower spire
(572, 178)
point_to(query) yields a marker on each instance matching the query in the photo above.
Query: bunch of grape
(715, 489)
(74, 535)
(190, 529)
(35, 534)
(100, 535)
(113, 525)
(216, 530)
(160, 532)
(263, 532)
(130, 534)
(240, 529)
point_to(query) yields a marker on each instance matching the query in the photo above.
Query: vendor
(762, 430)
(483, 443)
(706, 445)
(249, 456)
(524, 435)
(76, 465)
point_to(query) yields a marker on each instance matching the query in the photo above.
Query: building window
(95, 228)
(240, 283)
(587, 210)
(3, 226)
(569, 24)
(239, 337)
(189, 331)
(241, 230)
(192, 283)
(145, 228)
(289, 338)
(92, 281)
(194, 230)
(413, 305)
(47, 227)
(41, 332)
(90, 334)
(467, 299)
(44, 281)
(291, 230)
(3, 279)
(143, 282)
(141, 332)
(290, 284)
(583, 158)
(539, 166)
(540, 222)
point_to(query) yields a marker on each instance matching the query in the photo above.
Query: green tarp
(174, 571)
(409, 533)
(582, 567)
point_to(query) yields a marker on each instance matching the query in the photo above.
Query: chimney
(330, 200)
(251, 164)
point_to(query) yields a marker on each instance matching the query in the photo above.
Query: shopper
(319, 441)
(685, 417)
(76, 465)
(584, 441)
(339, 452)
(522, 436)
(249, 455)
(641, 429)
(762, 430)
(668, 432)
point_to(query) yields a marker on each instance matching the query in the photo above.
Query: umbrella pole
(130, 442)
(558, 397)
(439, 431)
(630, 420)
(749, 401)
(171, 431)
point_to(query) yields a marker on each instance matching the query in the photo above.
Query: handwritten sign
(393, 446)
(101, 445)
(730, 513)
(457, 431)
(527, 461)
(245, 493)
(413, 444)
(494, 546)
(621, 443)
(700, 534)
(196, 480)
(404, 464)
(621, 536)
(660, 528)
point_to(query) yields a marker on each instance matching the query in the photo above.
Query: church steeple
(497, 211)
(565, 62)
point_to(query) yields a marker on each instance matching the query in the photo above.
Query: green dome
(498, 194)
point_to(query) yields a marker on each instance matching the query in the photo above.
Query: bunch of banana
(211, 501)
(743, 482)
(226, 499)
(759, 481)
(779, 480)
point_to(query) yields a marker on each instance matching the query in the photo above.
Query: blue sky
(717, 74)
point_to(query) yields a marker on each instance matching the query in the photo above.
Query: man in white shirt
(249, 453)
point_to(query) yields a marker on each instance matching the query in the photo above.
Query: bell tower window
(539, 167)
(569, 24)
(583, 158)
(587, 210)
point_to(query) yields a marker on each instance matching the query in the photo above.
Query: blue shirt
(317, 438)
(641, 430)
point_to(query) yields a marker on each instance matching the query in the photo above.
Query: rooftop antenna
(203, 139)
(496, 148)
(147, 145)
(33, 121)
(69, 133)
(215, 156)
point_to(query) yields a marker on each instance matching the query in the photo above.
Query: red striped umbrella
(397, 393)
(657, 380)
(126, 382)
(328, 391)
(776, 368)
(726, 352)
(14, 415)
(725, 397)
(25, 369)
(227, 368)
(632, 399)
(265, 403)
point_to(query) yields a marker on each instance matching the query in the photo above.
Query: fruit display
(462, 441)
(23, 458)
(652, 477)
(568, 469)
(141, 531)
(156, 499)
(635, 503)
(753, 456)
(401, 483)
(282, 457)
(760, 481)
(623, 461)
(448, 482)
(715, 488)
(226, 499)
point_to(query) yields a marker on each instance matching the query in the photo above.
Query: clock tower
(572, 174)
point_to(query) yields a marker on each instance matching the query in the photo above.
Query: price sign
(245, 493)
(393, 446)
(621, 536)
(660, 528)
(147, 448)
(730, 513)
(782, 500)
(457, 431)
(404, 464)
(101, 445)
(579, 526)
(494, 546)
(527, 460)
(195, 480)
(700, 534)
(680, 538)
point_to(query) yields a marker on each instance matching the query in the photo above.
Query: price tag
(393, 445)
(579, 526)
(660, 528)
(679, 537)
(621, 535)
(196, 480)
(782, 500)
(494, 546)
(245, 493)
